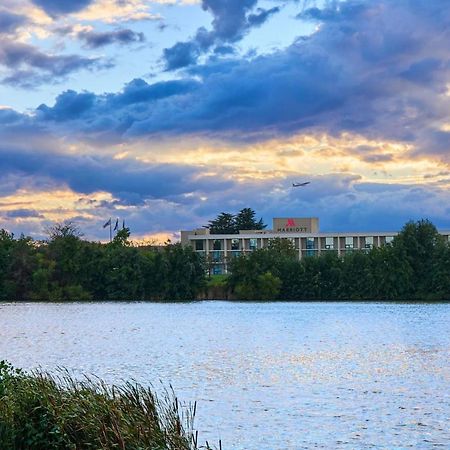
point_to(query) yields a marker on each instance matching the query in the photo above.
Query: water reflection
(267, 376)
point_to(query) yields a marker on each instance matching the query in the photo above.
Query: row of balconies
(313, 244)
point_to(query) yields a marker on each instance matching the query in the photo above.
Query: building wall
(303, 232)
(219, 248)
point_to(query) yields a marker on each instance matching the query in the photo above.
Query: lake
(265, 375)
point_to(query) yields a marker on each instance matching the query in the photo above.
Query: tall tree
(419, 244)
(64, 249)
(245, 220)
(226, 223)
(223, 224)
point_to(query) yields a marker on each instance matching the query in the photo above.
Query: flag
(116, 225)
(107, 223)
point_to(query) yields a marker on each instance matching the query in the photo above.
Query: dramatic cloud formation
(56, 7)
(231, 21)
(391, 84)
(356, 103)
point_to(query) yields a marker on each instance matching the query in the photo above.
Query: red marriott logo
(290, 223)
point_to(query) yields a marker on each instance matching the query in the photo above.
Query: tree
(122, 238)
(226, 223)
(282, 248)
(6, 246)
(122, 269)
(265, 286)
(419, 244)
(259, 275)
(20, 271)
(223, 224)
(63, 249)
(245, 220)
(391, 274)
(122, 265)
(441, 276)
(185, 272)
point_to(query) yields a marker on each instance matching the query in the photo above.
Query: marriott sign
(296, 225)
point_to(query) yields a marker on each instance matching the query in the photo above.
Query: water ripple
(266, 375)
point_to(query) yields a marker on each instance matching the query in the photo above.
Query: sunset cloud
(356, 104)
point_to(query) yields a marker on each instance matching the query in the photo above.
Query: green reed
(58, 412)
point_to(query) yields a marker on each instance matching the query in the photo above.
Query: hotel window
(234, 244)
(217, 244)
(198, 245)
(369, 242)
(252, 244)
(329, 243)
(349, 242)
(310, 246)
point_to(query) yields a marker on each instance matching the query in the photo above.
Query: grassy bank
(39, 411)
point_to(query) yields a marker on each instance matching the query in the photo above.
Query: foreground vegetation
(38, 411)
(416, 266)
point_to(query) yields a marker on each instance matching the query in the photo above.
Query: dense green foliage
(226, 223)
(38, 411)
(416, 266)
(66, 267)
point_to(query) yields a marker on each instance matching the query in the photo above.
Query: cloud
(379, 89)
(70, 105)
(359, 72)
(232, 19)
(125, 178)
(136, 96)
(59, 7)
(229, 17)
(24, 214)
(123, 36)
(30, 66)
(118, 11)
(181, 54)
(9, 22)
(261, 16)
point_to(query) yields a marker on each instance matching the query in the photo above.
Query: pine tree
(223, 224)
(245, 220)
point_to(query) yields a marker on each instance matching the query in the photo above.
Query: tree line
(416, 266)
(67, 267)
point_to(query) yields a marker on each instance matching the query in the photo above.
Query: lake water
(265, 375)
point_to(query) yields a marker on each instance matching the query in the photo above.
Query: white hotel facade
(302, 232)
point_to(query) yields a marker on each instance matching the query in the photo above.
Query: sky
(164, 113)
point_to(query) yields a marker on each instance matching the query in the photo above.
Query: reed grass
(39, 411)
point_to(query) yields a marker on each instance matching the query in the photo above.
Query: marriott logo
(291, 227)
(290, 223)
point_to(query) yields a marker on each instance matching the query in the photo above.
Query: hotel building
(302, 232)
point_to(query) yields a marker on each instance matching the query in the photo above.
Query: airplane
(300, 184)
